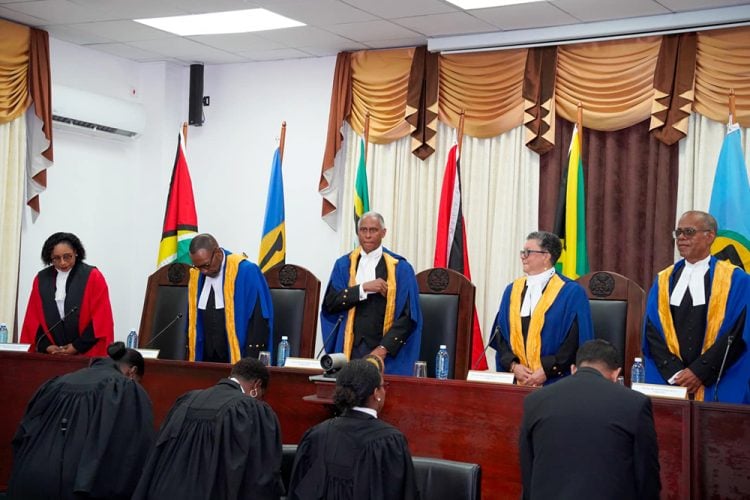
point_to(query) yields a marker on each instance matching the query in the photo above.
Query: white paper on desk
(15, 347)
(306, 363)
(490, 377)
(661, 391)
(149, 353)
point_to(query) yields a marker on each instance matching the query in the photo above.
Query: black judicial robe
(354, 456)
(215, 443)
(84, 435)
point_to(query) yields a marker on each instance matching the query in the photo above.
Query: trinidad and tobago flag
(450, 248)
(180, 219)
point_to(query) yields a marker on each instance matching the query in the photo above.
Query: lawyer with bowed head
(69, 310)
(543, 317)
(85, 434)
(355, 455)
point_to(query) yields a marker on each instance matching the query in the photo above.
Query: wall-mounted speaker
(195, 111)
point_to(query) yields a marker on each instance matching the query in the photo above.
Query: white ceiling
(332, 25)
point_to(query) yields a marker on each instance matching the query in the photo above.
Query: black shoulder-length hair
(57, 238)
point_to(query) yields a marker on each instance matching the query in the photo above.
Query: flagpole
(732, 107)
(580, 126)
(460, 138)
(367, 133)
(184, 133)
(281, 142)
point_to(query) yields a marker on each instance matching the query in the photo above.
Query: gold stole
(530, 354)
(717, 305)
(390, 300)
(230, 278)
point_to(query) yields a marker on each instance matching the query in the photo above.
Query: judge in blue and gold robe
(371, 305)
(230, 313)
(696, 319)
(543, 317)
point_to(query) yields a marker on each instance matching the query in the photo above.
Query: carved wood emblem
(602, 284)
(438, 279)
(176, 273)
(288, 275)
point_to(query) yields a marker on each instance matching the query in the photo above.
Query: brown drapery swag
(40, 82)
(422, 102)
(631, 195)
(539, 98)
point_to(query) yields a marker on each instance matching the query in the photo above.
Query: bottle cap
(638, 360)
(284, 337)
(442, 346)
(3, 324)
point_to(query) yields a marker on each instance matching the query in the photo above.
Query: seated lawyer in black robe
(219, 442)
(355, 455)
(85, 434)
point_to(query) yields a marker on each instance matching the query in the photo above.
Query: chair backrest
(295, 292)
(164, 316)
(437, 478)
(447, 301)
(617, 306)
(288, 451)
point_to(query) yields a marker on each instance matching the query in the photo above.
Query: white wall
(112, 193)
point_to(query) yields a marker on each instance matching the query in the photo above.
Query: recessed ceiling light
(236, 21)
(484, 4)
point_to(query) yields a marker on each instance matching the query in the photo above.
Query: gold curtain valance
(613, 80)
(380, 84)
(723, 63)
(14, 69)
(487, 86)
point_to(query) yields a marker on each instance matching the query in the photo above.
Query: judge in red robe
(69, 310)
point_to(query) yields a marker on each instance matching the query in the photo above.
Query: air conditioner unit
(98, 114)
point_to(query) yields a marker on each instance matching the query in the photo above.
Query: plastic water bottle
(283, 351)
(638, 372)
(3, 333)
(441, 363)
(132, 341)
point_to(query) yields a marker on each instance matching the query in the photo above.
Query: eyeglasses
(207, 265)
(689, 232)
(526, 252)
(66, 257)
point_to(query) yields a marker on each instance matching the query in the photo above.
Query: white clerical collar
(369, 411)
(217, 284)
(367, 267)
(374, 255)
(534, 287)
(692, 278)
(60, 284)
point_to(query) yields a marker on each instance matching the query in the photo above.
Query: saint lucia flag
(361, 194)
(730, 202)
(273, 243)
(570, 220)
(180, 219)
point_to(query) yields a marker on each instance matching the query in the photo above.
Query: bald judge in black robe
(84, 435)
(354, 456)
(215, 443)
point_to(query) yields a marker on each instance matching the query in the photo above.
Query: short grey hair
(549, 242)
(708, 219)
(373, 214)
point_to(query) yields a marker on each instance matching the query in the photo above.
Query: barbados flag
(273, 243)
(730, 201)
(361, 193)
(570, 220)
(180, 218)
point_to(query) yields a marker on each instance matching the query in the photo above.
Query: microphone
(489, 343)
(151, 341)
(49, 330)
(328, 337)
(730, 339)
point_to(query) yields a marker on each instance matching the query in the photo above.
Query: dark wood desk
(451, 419)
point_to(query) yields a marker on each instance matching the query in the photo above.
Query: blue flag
(273, 243)
(730, 202)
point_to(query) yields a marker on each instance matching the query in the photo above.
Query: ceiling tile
(130, 9)
(238, 42)
(127, 51)
(602, 10)
(59, 11)
(392, 9)
(187, 50)
(456, 23)
(204, 6)
(20, 17)
(273, 55)
(685, 5)
(527, 15)
(120, 31)
(66, 33)
(397, 42)
(318, 12)
(301, 36)
(371, 31)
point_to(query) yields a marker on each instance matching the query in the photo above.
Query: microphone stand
(489, 343)
(328, 337)
(730, 339)
(152, 339)
(48, 333)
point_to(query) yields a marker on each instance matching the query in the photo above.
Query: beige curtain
(12, 165)
(500, 204)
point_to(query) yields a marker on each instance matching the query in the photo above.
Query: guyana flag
(730, 202)
(361, 194)
(273, 244)
(570, 220)
(180, 219)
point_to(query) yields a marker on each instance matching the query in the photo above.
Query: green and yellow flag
(361, 193)
(570, 220)
(180, 218)
(273, 243)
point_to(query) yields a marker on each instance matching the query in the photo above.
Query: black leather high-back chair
(164, 316)
(295, 292)
(447, 301)
(617, 306)
(437, 478)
